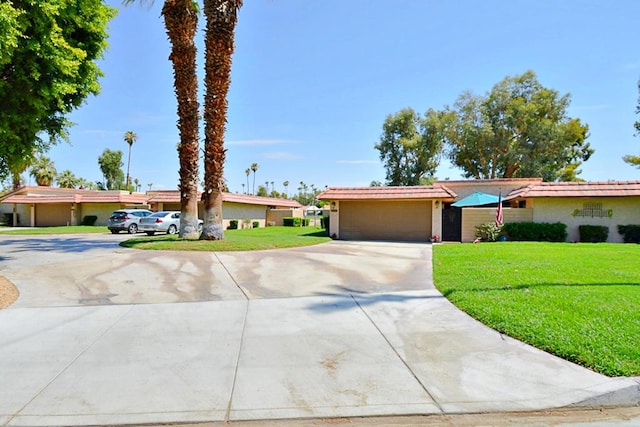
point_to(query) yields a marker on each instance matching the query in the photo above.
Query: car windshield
(159, 214)
(118, 215)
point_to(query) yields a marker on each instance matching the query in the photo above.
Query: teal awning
(476, 199)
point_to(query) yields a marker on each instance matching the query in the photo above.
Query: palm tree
(247, 171)
(66, 179)
(129, 137)
(43, 171)
(181, 21)
(254, 168)
(221, 16)
(286, 188)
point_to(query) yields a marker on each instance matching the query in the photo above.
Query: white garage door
(389, 220)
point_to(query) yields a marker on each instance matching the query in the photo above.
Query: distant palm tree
(66, 179)
(43, 171)
(254, 168)
(243, 188)
(129, 137)
(247, 171)
(286, 188)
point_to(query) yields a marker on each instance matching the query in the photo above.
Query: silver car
(126, 220)
(163, 222)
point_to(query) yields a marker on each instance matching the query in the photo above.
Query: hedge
(536, 231)
(630, 233)
(593, 233)
(291, 221)
(233, 224)
(89, 220)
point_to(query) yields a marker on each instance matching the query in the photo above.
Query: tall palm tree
(286, 188)
(43, 171)
(181, 22)
(254, 169)
(221, 16)
(247, 171)
(129, 137)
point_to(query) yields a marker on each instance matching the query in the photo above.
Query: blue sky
(313, 81)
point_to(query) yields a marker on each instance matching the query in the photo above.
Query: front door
(451, 224)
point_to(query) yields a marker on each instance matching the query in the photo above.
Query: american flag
(499, 215)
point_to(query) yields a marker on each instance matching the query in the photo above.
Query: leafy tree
(111, 166)
(518, 129)
(262, 191)
(631, 159)
(66, 179)
(410, 147)
(375, 184)
(222, 17)
(181, 21)
(48, 67)
(43, 170)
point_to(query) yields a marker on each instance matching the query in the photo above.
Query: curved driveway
(107, 335)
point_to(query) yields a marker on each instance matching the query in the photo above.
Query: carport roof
(578, 189)
(387, 193)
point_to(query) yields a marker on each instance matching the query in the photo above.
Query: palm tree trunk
(222, 16)
(181, 21)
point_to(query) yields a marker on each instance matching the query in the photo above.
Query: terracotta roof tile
(578, 189)
(387, 193)
(173, 196)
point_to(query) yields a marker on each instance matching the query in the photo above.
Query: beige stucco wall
(102, 210)
(473, 217)
(275, 216)
(53, 214)
(626, 210)
(241, 211)
(23, 211)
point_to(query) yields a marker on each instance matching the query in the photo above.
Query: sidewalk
(327, 350)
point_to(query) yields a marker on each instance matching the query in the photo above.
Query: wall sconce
(333, 207)
(437, 204)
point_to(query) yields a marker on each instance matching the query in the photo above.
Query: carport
(386, 213)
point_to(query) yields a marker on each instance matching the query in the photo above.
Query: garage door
(53, 214)
(402, 221)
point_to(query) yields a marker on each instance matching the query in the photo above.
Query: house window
(592, 210)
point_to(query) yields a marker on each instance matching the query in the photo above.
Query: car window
(118, 215)
(158, 214)
(176, 215)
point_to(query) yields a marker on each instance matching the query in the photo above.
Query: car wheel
(150, 233)
(133, 229)
(172, 229)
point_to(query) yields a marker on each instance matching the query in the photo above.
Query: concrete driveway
(106, 335)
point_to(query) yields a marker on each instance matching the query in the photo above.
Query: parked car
(126, 220)
(163, 222)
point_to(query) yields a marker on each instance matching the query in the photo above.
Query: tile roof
(387, 193)
(578, 189)
(173, 196)
(70, 195)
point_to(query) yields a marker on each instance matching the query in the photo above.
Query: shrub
(630, 233)
(290, 221)
(233, 224)
(245, 223)
(324, 222)
(593, 233)
(255, 224)
(89, 220)
(305, 222)
(536, 231)
(488, 232)
(6, 219)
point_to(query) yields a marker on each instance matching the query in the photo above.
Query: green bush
(305, 222)
(593, 233)
(488, 232)
(536, 231)
(89, 220)
(233, 224)
(255, 224)
(324, 222)
(630, 233)
(291, 221)
(6, 219)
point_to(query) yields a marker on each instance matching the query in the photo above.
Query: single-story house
(423, 212)
(241, 207)
(39, 206)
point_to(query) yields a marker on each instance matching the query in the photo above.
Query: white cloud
(281, 155)
(358, 162)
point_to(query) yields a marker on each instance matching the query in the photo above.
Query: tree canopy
(111, 166)
(48, 54)
(518, 129)
(410, 147)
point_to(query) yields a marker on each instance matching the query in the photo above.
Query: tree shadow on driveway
(348, 298)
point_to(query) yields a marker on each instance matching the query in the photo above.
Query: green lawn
(252, 239)
(72, 229)
(578, 301)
